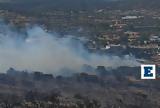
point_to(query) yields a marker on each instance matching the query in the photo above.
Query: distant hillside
(134, 4)
(48, 5)
(36, 5)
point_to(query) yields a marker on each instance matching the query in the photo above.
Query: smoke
(38, 50)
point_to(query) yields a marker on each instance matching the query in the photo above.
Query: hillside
(120, 88)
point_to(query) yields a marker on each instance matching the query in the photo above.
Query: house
(155, 38)
(132, 35)
(130, 17)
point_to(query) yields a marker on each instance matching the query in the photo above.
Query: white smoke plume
(42, 51)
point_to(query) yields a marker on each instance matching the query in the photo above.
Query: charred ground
(120, 87)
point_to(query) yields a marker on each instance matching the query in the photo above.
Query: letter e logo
(148, 72)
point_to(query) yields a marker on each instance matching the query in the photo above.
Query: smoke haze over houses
(42, 51)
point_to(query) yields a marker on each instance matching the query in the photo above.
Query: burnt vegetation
(114, 88)
(116, 27)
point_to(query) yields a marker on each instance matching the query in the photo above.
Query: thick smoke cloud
(38, 50)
